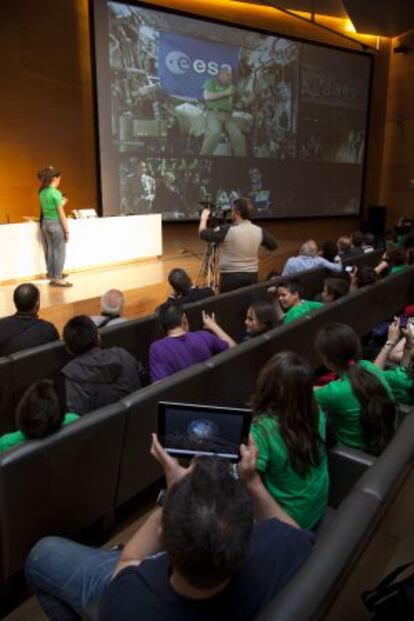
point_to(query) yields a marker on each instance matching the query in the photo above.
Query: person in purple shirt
(182, 348)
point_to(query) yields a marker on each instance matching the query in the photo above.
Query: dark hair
(265, 314)
(366, 275)
(244, 207)
(46, 176)
(284, 389)
(391, 236)
(293, 285)
(397, 256)
(170, 315)
(80, 334)
(26, 297)
(408, 242)
(337, 287)
(357, 239)
(207, 523)
(339, 344)
(329, 250)
(40, 411)
(369, 239)
(179, 280)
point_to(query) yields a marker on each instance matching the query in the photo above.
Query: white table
(92, 243)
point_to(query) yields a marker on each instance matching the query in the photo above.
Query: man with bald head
(308, 259)
(25, 329)
(112, 305)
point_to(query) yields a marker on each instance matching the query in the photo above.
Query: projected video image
(192, 111)
(176, 92)
(178, 187)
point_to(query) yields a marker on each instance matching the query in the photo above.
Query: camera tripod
(208, 275)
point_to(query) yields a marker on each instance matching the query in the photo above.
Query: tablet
(185, 430)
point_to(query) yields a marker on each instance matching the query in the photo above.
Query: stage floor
(144, 284)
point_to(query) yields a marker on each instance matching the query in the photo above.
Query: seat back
(59, 485)
(135, 336)
(138, 468)
(6, 396)
(368, 258)
(26, 367)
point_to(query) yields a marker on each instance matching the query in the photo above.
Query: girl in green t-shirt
(360, 403)
(54, 224)
(289, 432)
(40, 412)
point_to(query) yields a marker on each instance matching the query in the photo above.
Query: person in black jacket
(24, 329)
(96, 376)
(184, 291)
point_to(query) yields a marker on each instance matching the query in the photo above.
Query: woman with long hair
(260, 317)
(360, 402)
(54, 224)
(289, 431)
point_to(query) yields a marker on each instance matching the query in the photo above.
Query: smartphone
(186, 430)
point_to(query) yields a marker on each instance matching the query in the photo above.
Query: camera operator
(239, 243)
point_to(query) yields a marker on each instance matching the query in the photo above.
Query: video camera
(217, 216)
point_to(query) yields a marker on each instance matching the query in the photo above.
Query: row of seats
(19, 370)
(87, 470)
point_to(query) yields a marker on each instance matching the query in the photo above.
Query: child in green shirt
(289, 432)
(360, 403)
(39, 413)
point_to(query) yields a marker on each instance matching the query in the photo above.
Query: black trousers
(234, 280)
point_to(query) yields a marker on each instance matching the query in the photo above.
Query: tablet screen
(185, 430)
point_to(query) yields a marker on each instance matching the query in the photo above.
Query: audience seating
(59, 485)
(369, 258)
(91, 467)
(229, 378)
(135, 335)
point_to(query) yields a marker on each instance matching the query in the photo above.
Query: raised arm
(264, 505)
(209, 322)
(146, 541)
(392, 339)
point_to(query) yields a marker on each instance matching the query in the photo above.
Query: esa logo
(180, 63)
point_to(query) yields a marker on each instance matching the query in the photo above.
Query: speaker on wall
(377, 216)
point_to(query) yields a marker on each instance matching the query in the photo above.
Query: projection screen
(190, 110)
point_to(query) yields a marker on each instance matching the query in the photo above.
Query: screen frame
(214, 409)
(205, 18)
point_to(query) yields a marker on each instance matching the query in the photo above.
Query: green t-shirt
(303, 308)
(12, 439)
(303, 498)
(50, 199)
(397, 269)
(338, 400)
(401, 382)
(225, 104)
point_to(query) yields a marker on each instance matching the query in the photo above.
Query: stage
(144, 282)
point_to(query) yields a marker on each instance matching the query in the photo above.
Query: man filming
(239, 243)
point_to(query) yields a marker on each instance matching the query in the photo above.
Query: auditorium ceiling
(388, 18)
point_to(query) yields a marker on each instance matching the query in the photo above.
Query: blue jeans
(69, 578)
(55, 248)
